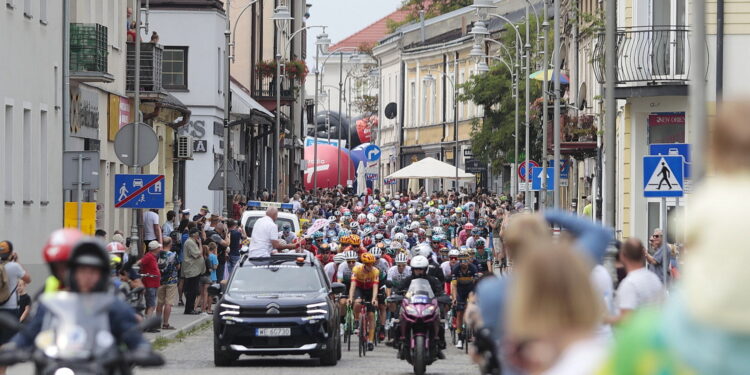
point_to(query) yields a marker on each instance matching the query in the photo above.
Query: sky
(344, 18)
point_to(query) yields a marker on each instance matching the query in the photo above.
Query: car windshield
(419, 287)
(275, 278)
(280, 222)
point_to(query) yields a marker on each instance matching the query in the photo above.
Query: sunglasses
(656, 236)
(351, 261)
(454, 258)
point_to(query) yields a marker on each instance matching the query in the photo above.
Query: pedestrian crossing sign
(663, 176)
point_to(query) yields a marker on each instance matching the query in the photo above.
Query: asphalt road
(194, 355)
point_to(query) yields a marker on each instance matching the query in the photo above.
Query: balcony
(651, 60)
(88, 53)
(577, 135)
(151, 59)
(265, 89)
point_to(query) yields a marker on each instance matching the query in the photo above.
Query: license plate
(273, 332)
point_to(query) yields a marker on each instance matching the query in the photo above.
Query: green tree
(432, 8)
(493, 136)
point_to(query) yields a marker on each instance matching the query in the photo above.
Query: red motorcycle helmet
(60, 245)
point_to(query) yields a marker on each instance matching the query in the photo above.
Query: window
(27, 144)
(43, 12)
(174, 68)
(8, 162)
(43, 162)
(425, 90)
(27, 8)
(413, 104)
(433, 112)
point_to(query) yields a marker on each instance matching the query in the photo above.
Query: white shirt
(329, 270)
(15, 272)
(264, 231)
(344, 271)
(447, 269)
(603, 285)
(470, 242)
(150, 219)
(639, 288)
(394, 275)
(583, 357)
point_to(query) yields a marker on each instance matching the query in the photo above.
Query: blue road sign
(139, 191)
(372, 153)
(663, 176)
(564, 168)
(682, 149)
(536, 178)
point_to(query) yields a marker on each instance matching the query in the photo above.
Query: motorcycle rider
(88, 272)
(56, 253)
(419, 265)
(464, 277)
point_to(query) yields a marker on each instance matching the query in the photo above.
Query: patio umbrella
(539, 76)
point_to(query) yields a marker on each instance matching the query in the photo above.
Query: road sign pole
(665, 245)
(79, 194)
(136, 104)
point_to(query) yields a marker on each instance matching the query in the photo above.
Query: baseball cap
(6, 248)
(186, 212)
(153, 245)
(204, 207)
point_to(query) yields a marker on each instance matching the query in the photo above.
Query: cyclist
(396, 275)
(324, 254)
(447, 267)
(463, 278)
(364, 287)
(483, 257)
(331, 269)
(344, 276)
(464, 234)
(382, 265)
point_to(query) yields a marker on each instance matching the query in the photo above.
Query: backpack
(5, 291)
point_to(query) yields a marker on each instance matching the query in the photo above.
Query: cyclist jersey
(330, 271)
(482, 259)
(365, 279)
(344, 273)
(382, 266)
(398, 277)
(464, 279)
(447, 269)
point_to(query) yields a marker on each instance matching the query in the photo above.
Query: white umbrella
(430, 168)
(361, 179)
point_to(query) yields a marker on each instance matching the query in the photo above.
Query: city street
(195, 356)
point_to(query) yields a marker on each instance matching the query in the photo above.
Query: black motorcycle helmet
(89, 252)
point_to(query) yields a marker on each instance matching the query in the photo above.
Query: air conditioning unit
(184, 147)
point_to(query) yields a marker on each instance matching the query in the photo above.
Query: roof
(372, 33)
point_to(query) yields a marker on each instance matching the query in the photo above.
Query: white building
(192, 35)
(31, 127)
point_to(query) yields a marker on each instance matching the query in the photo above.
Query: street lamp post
(321, 43)
(556, 127)
(428, 81)
(527, 50)
(281, 16)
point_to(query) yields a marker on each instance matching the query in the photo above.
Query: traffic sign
(139, 191)
(148, 144)
(372, 153)
(522, 169)
(682, 149)
(663, 176)
(233, 180)
(564, 168)
(536, 178)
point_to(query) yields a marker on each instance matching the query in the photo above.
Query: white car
(249, 217)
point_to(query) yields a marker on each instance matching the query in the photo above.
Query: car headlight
(317, 308)
(411, 310)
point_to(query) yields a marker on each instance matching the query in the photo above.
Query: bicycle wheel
(363, 332)
(348, 327)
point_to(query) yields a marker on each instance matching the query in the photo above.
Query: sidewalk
(181, 322)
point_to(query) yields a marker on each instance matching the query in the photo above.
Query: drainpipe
(421, 25)
(401, 115)
(719, 50)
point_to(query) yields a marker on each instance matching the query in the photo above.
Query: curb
(172, 334)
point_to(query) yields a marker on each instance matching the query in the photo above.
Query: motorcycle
(420, 324)
(76, 338)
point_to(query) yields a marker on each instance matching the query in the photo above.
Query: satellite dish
(391, 110)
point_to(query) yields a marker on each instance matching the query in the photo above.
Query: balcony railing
(88, 52)
(265, 88)
(151, 60)
(647, 55)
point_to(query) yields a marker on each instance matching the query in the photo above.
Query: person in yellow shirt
(364, 286)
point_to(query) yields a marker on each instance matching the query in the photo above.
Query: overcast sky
(344, 18)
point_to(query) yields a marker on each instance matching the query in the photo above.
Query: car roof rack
(262, 205)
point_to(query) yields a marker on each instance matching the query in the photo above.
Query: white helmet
(376, 252)
(424, 250)
(437, 230)
(411, 211)
(350, 255)
(339, 258)
(361, 216)
(419, 262)
(354, 225)
(396, 245)
(399, 236)
(454, 253)
(414, 225)
(401, 258)
(371, 218)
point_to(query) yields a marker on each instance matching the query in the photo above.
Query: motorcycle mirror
(9, 324)
(445, 300)
(214, 290)
(153, 322)
(338, 288)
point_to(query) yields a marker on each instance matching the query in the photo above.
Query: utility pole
(545, 101)
(527, 48)
(341, 87)
(698, 126)
(227, 109)
(134, 240)
(610, 136)
(315, 120)
(556, 119)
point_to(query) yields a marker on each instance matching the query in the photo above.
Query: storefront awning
(165, 108)
(244, 106)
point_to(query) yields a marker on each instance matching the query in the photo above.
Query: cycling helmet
(345, 240)
(445, 221)
(454, 253)
(437, 230)
(339, 258)
(324, 248)
(115, 247)
(401, 258)
(367, 241)
(60, 245)
(419, 262)
(468, 226)
(398, 237)
(379, 237)
(354, 225)
(436, 238)
(331, 233)
(391, 223)
(376, 251)
(332, 218)
(424, 250)
(371, 218)
(479, 242)
(367, 259)
(414, 225)
(396, 245)
(350, 255)
(318, 235)
(476, 231)
(459, 209)
(354, 239)
(347, 212)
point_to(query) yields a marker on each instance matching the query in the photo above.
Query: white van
(257, 209)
